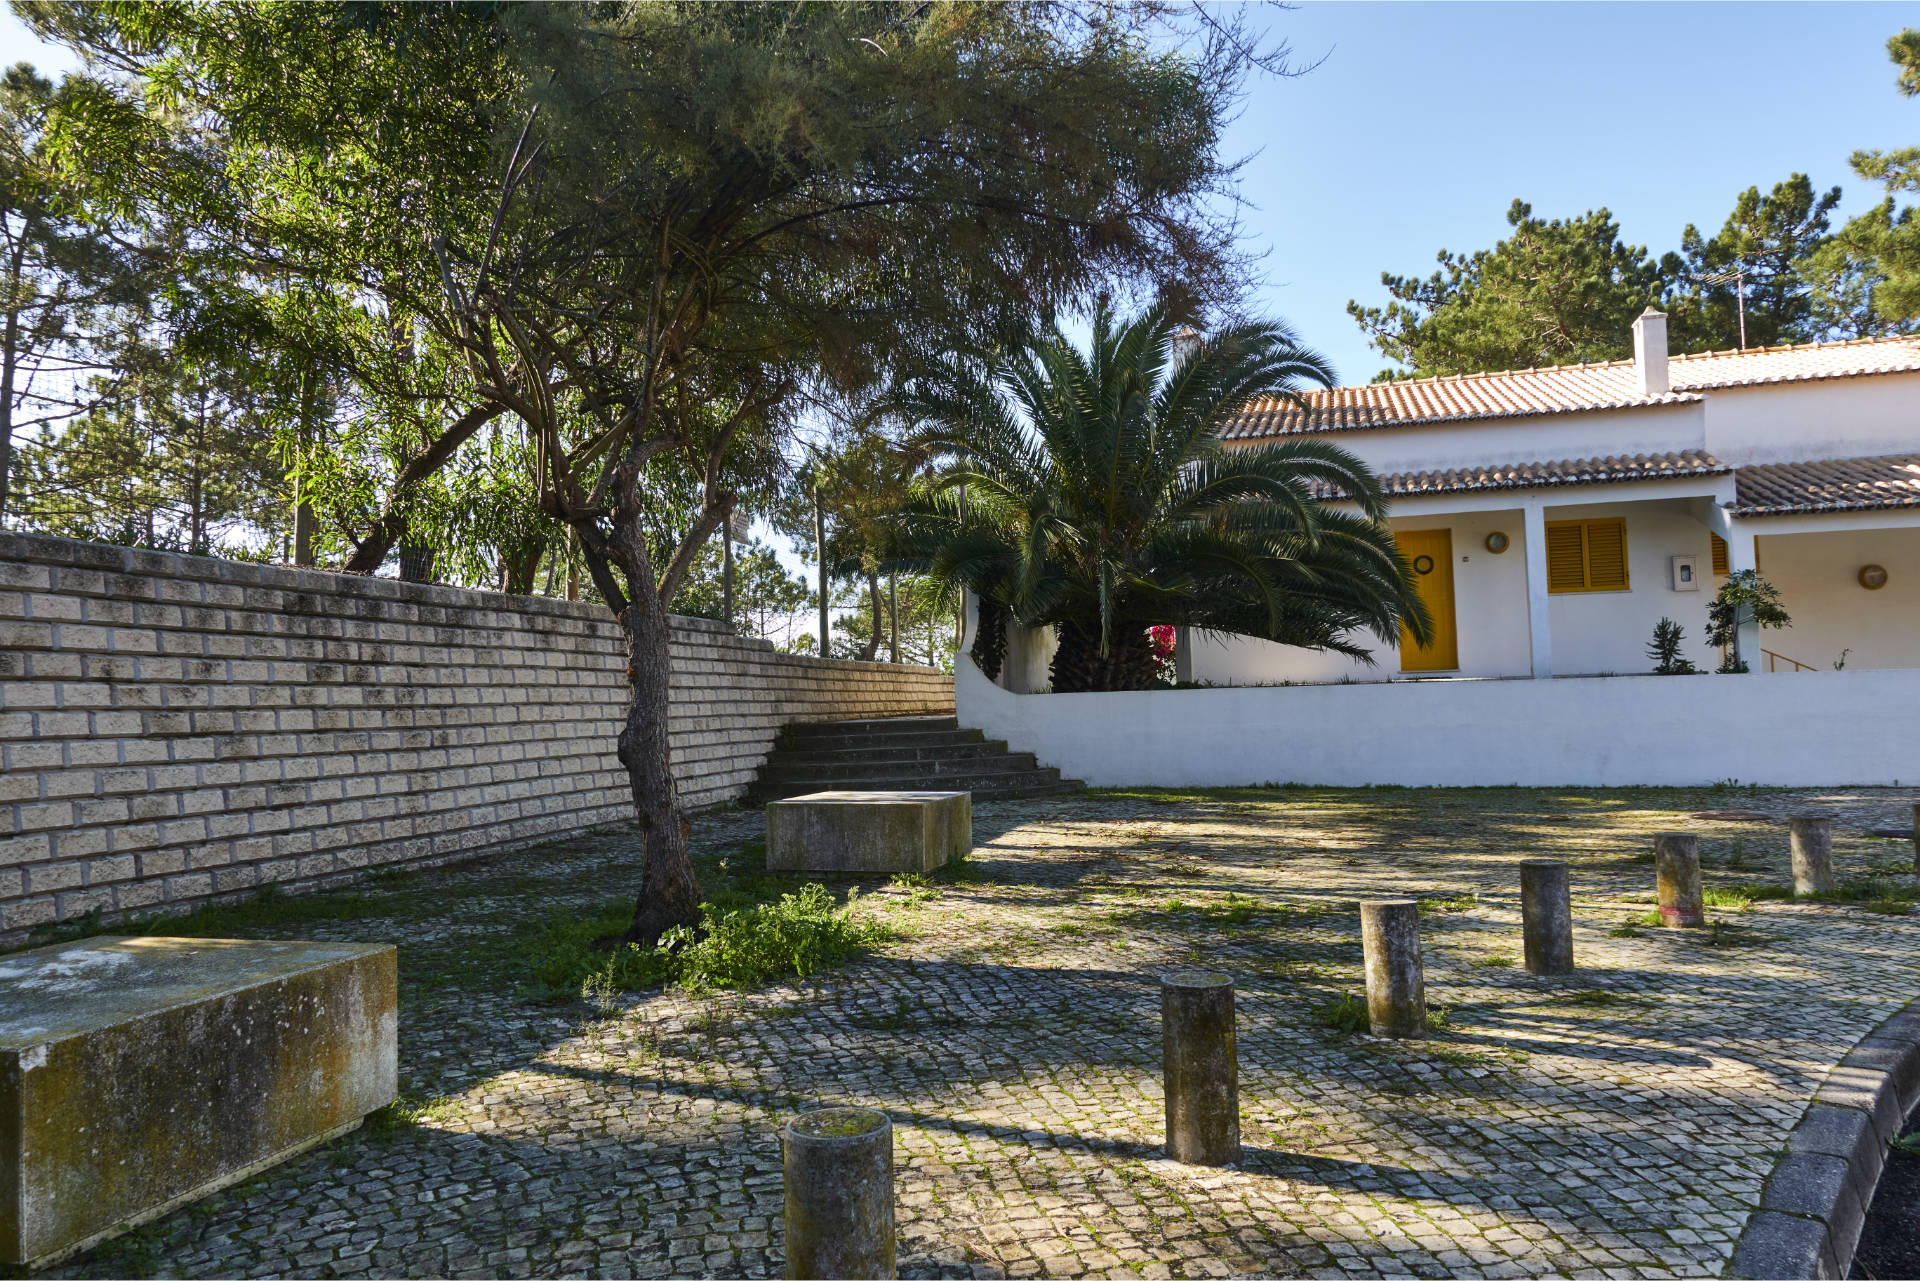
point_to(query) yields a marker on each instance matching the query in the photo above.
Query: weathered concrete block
(137, 1074)
(868, 833)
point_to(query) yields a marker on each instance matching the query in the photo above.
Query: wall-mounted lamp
(1873, 577)
(1498, 542)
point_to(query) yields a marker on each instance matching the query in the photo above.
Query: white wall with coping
(1825, 418)
(1816, 729)
(179, 728)
(1485, 442)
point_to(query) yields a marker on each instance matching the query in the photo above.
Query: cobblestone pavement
(1617, 1122)
(1865, 809)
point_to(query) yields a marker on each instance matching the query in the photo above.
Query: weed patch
(1344, 1013)
(792, 936)
(409, 1112)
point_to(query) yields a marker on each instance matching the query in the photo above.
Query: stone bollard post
(1676, 865)
(1812, 846)
(840, 1194)
(1546, 916)
(1396, 980)
(1200, 1067)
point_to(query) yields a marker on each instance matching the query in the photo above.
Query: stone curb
(1815, 1202)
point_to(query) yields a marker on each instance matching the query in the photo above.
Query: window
(1587, 555)
(1719, 554)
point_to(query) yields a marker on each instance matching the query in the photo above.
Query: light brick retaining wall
(175, 728)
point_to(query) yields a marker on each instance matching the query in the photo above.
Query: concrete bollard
(1546, 916)
(840, 1194)
(1396, 980)
(1676, 865)
(1811, 842)
(1200, 1067)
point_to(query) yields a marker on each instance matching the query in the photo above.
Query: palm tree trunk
(1079, 667)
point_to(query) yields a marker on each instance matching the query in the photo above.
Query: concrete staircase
(898, 754)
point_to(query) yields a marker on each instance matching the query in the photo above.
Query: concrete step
(1010, 791)
(901, 754)
(888, 729)
(904, 753)
(789, 770)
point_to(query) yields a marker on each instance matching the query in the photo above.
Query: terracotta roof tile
(1563, 389)
(1579, 471)
(1843, 484)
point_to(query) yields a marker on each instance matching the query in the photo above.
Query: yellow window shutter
(1566, 557)
(1719, 554)
(1606, 555)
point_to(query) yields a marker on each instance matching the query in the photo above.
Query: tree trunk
(893, 616)
(669, 893)
(1079, 667)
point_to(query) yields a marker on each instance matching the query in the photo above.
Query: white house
(1555, 515)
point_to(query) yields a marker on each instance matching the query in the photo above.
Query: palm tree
(1090, 491)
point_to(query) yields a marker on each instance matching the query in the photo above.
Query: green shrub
(794, 936)
(734, 946)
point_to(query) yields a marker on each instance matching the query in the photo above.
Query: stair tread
(901, 753)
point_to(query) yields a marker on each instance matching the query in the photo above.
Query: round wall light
(1498, 542)
(1873, 577)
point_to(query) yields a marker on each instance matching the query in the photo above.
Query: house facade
(1554, 516)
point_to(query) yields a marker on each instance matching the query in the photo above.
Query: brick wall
(177, 728)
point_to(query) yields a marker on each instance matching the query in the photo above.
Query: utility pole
(739, 526)
(820, 547)
(726, 573)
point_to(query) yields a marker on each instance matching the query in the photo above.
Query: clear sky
(1424, 121)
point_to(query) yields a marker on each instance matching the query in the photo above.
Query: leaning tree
(646, 232)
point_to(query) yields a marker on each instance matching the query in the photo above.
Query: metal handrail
(1774, 660)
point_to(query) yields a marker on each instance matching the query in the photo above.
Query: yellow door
(1430, 551)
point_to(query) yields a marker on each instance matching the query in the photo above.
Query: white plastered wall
(1606, 633)
(1829, 418)
(1817, 574)
(1591, 633)
(1490, 608)
(1486, 442)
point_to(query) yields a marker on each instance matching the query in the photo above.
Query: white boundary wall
(1808, 729)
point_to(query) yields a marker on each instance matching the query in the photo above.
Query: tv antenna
(1738, 275)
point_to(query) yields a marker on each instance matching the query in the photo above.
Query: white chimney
(1650, 351)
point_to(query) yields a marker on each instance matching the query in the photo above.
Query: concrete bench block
(138, 1074)
(868, 833)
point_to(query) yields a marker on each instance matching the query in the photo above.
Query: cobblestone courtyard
(1619, 1122)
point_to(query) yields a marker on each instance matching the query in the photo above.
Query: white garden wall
(1811, 729)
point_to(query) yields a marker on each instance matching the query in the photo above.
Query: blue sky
(1424, 121)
